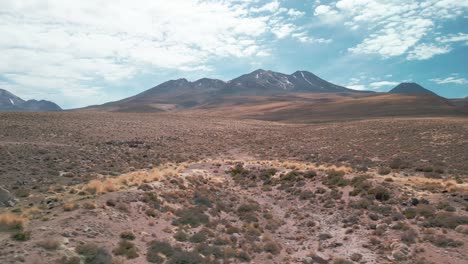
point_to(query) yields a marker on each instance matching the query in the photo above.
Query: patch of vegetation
(247, 212)
(399, 163)
(21, 236)
(158, 248)
(443, 241)
(11, 222)
(127, 249)
(409, 236)
(380, 193)
(335, 178)
(127, 235)
(193, 216)
(94, 254)
(183, 257)
(181, 236)
(49, 244)
(446, 220)
(384, 170)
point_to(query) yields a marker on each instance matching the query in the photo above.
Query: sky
(79, 53)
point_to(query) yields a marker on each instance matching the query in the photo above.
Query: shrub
(384, 171)
(21, 236)
(247, 212)
(49, 244)
(11, 222)
(70, 206)
(398, 163)
(380, 193)
(127, 235)
(310, 174)
(89, 206)
(159, 247)
(22, 192)
(182, 257)
(208, 251)
(443, 241)
(200, 199)
(198, 237)
(291, 176)
(425, 210)
(272, 247)
(409, 236)
(127, 249)
(94, 254)
(191, 216)
(335, 178)
(447, 220)
(410, 213)
(342, 261)
(181, 236)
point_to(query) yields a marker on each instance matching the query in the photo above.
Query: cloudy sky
(78, 53)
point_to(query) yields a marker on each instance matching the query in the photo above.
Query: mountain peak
(411, 88)
(11, 102)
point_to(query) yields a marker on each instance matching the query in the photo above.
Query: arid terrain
(186, 187)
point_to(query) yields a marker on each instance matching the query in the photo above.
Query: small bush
(425, 210)
(335, 178)
(127, 235)
(21, 236)
(384, 171)
(310, 174)
(94, 254)
(198, 237)
(447, 220)
(11, 222)
(443, 241)
(127, 249)
(191, 216)
(409, 236)
(49, 244)
(182, 257)
(70, 206)
(410, 213)
(272, 247)
(156, 248)
(380, 193)
(181, 236)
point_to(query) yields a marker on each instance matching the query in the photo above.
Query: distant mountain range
(269, 95)
(11, 102)
(301, 96)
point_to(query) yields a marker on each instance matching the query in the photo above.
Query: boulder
(6, 198)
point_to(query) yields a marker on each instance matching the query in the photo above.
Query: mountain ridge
(11, 102)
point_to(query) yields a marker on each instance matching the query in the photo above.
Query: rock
(6, 198)
(462, 229)
(356, 257)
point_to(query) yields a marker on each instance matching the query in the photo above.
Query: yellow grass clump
(132, 179)
(11, 222)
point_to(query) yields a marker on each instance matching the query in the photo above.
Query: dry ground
(214, 190)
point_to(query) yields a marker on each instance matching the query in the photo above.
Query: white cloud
(393, 28)
(66, 47)
(358, 87)
(460, 37)
(327, 14)
(383, 84)
(427, 51)
(450, 80)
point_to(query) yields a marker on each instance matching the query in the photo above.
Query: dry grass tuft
(11, 222)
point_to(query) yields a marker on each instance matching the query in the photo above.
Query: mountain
(297, 97)
(261, 82)
(183, 94)
(11, 102)
(411, 88)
